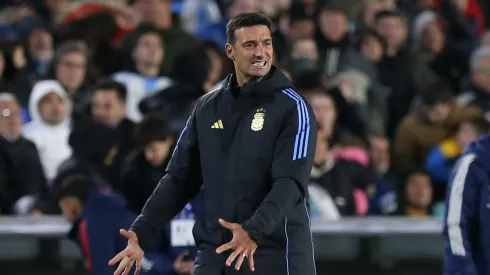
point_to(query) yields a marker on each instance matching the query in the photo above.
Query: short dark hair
(435, 93)
(246, 20)
(152, 128)
(109, 84)
(481, 125)
(391, 13)
(77, 185)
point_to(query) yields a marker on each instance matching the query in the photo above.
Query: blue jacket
(467, 223)
(97, 233)
(441, 159)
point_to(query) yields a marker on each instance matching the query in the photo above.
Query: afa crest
(258, 121)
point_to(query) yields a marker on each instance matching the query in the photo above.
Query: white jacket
(51, 140)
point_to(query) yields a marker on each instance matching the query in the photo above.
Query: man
(251, 145)
(466, 224)
(21, 172)
(49, 128)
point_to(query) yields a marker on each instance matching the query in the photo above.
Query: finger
(233, 255)
(118, 257)
(125, 233)
(251, 263)
(122, 266)
(128, 268)
(225, 223)
(138, 268)
(226, 246)
(240, 259)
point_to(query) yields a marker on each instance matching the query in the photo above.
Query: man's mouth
(259, 64)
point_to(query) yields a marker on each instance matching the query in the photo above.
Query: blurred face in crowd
(425, 4)
(52, 109)
(273, 8)
(155, 11)
(71, 70)
(372, 49)
(149, 50)
(71, 208)
(302, 28)
(333, 25)
(439, 112)
(466, 134)
(304, 48)
(251, 52)
(216, 69)
(108, 108)
(41, 44)
(325, 112)
(393, 30)
(462, 5)
(433, 38)
(485, 40)
(157, 152)
(10, 120)
(56, 6)
(242, 6)
(418, 190)
(380, 152)
(480, 75)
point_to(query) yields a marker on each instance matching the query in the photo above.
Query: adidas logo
(217, 125)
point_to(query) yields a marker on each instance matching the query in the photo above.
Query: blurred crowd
(103, 88)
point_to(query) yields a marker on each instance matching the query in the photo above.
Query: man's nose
(259, 51)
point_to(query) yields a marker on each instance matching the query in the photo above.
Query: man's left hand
(243, 246)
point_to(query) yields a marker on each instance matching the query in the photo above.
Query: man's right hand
(129, 256)
(182, 267)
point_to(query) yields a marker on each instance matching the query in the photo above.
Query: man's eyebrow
(249, 41)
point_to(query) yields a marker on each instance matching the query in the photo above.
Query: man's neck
(147, 70)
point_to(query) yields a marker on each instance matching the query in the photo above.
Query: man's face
(333, 25)
(149, 50)
(251, 52)
(372, 49)
(242, 6)
(41, 44)
(439, 112)
(52, 108)
(380, 151)
(393, 30)
(304, 48)
(466, 134)
(481, 75)
(70, 208)
(71, 70)
(325, 113)
(418, 190)
(157, 151)
(107, 108)
(10, 120)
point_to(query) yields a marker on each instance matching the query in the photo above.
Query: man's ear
(230, 52)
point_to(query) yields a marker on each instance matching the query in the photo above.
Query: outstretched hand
(242, 245)
(129, 256)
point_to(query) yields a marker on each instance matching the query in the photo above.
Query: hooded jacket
(50, 140)
(467, 226)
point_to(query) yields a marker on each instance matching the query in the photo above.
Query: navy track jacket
(252, 148)
(467, 224)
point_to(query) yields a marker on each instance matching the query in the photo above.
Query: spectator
(301, 22)
(478, 93)
(146, 166)
(417, 197)
(109, 108)
(49, 129)
(145, 79)
(22, 178)
(434, 119)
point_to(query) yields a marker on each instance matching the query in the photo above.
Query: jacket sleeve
(291, 167)
(181, 183)
(462, 214)
(97, 243)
